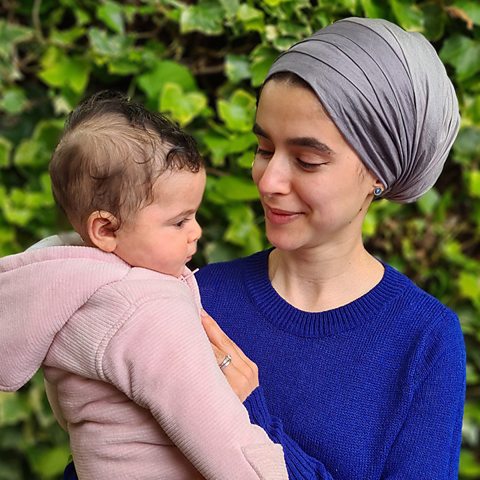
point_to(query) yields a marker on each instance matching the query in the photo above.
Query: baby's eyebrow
(185, 213)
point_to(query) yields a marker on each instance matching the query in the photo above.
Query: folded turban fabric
(388, 93)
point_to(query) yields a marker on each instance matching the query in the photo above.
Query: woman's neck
(323, 278)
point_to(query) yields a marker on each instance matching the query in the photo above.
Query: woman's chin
(284, 242)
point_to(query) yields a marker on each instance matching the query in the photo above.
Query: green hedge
(202, 63)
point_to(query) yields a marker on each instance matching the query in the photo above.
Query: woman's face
(313, 187)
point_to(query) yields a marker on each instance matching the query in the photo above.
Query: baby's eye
(181, 223)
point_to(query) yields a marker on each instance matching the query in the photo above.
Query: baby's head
(130, 182)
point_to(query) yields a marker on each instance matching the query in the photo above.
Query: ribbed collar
(309, 324)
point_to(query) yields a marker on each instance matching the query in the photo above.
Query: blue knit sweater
(371, 390)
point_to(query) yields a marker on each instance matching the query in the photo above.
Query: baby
(115, 323)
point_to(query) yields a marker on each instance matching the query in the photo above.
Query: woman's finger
(216, 335)
(220, 339)
(221, 356)
(240, 372)
(224, 343)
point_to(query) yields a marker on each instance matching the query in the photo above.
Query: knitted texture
(136, 378)
(371, 390)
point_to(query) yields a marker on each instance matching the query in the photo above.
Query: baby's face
(163, 235)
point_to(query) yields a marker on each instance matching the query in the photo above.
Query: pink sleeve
(162, 360)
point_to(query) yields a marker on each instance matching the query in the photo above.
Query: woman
(362, 374)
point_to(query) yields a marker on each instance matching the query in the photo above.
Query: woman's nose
(275, 177)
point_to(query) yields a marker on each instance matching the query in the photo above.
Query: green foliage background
(202, 62)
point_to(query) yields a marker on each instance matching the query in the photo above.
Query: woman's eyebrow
(309, 142)
(258, 130)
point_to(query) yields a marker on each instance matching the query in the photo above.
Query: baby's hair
(110, 155)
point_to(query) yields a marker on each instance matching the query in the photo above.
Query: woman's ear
(378, 188)
(101, 228)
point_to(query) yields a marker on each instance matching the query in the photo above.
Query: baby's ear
(101, 228)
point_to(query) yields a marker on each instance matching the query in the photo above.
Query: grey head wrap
(388, 93)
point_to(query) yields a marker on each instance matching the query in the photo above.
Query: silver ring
(226, 361)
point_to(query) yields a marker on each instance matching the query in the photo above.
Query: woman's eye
(263, 153)
(307, 165)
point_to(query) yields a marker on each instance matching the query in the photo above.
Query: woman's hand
(241, 372)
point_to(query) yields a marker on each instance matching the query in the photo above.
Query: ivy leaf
(184, 107)
(237, 189)
(469, 285)
(238, 112)
(474, 183)
(237, 68)
(48, 461)
(435, 19)
(251, 17)
(13, 101)
(350, 5)
(469, 466)
(66, 37)
(29, 153)
(408, 14)
(467, 145)
(36, 151)
(243, 230)
(58, 70)
(163, 72)
(12, 34)
(261, 61)
(246, 160)
(5, 150)
(220, 146)
(206, 17)
(230, 7)
(294, 30)
(463, 53)
(375, 8)
(16, 211)
(219, 252)
(110, 46)
(428, 202)
(13, 407)
(111, 14)
(370, 223)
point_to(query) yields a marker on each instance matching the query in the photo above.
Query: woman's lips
(280, 217)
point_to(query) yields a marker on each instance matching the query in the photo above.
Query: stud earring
(377, 191)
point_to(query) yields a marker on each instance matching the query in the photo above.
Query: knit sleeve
(161, 358)
(300, 465)
(428, 444)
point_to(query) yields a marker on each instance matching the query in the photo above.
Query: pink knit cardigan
(137, 382)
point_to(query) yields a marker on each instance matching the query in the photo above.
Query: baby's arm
(52, 396)
(161, 358)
